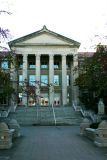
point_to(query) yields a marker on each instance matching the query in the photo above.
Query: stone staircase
(44, 116)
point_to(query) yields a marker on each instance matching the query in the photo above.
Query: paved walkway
(53, 143)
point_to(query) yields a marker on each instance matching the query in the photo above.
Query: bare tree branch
(3, 11)
(4, 33)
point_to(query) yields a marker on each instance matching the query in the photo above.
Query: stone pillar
(101, 134)
(13, 124)
(85, 124)
(51, 79)
(64, 81)
(101, 107)
(25, 78)
(38, 75)
(71, 85)
(75, 88)
(5, 136)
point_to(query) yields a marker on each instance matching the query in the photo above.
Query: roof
(86, 54)
(43, 30)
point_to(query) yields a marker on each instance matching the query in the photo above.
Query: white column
(51, 79)
(64, 81)
(25, 78)
(38, 74)
(75, 88)
(71, 85)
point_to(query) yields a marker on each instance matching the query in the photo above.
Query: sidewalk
(53, 143)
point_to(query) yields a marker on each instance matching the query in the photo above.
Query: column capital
(24, 55)
(37, 54)
(64, 55)
(75, 57)
(51, 56)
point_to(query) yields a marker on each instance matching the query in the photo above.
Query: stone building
(46, 62)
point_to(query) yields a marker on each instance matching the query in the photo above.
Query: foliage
(92, 80)
(5, 84)
(94, 125)
(6, 88)
(4, 33)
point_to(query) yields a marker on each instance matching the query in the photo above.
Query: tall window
(44, 99)
(44, 80)
(44, 65)
(68, 65)
(32, 65)
(20, 99)
(56, 65)
(20, 80)
(20, 61)
(68, 80)
(4, 65)
(32, 80)
(56, 80)
(20, 65)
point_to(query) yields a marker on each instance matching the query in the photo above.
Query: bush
(94, 125)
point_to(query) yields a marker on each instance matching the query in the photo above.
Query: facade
(45, 63)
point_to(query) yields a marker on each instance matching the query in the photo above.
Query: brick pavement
(53, 143)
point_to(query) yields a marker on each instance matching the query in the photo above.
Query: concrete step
(44, 116)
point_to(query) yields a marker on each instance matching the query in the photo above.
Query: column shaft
(38, 76)
(25, 78)
(64, 81)
(51, 79)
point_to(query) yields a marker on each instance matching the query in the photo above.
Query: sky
(84, 21)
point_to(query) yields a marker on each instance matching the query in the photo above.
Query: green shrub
(94, 125)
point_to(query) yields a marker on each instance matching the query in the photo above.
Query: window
(44, 80)
(68, 98)
(56, 65)
(32, 65)
(20, 65)
(68, 65)
(32, 80)
(20, 99)
(57, 99)
(44, 65)
(68, 80)
(4, 65)
(56, 80)
(44, 99)
(20, 80)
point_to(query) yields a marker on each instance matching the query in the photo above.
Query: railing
(54, 114)
(90, 114)
(86, 113)
(37, 114)
(76, 108)
(38, 110)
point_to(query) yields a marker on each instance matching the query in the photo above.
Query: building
(46, 62)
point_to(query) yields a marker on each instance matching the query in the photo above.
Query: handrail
(37, 114)
(54, 114)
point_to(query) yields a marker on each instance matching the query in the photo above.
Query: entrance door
(44, 101)
(56, 99)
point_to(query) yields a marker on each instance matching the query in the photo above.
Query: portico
(46, 63)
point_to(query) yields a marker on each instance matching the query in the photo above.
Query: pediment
(46, 38)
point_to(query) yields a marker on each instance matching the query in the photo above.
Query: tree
(92, 80)
(6, 58)
(4, 33)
